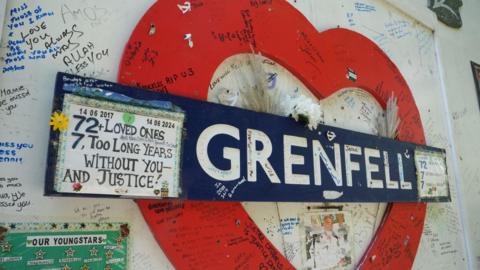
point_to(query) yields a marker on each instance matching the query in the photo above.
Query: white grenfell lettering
(259, 149)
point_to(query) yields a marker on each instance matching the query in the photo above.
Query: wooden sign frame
(123, 141)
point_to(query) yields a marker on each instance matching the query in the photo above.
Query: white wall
(442, 86)
(456, 49)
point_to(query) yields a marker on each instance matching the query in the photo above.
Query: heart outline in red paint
(159, 55)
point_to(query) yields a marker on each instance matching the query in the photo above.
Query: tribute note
(119, 149)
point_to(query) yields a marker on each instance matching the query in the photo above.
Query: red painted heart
(177, 47)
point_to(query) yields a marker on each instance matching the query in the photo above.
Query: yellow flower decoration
(59, 121)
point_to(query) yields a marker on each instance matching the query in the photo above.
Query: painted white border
(456, 168)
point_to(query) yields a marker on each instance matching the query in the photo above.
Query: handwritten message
(287, 225)
(30, 39)
(242, 36)
(26, 27)
(12, 195)
(12, 152)
(9, 98)
(398, 28)
(92, 14)
(113, 148)
(362, 7)
(98, 212)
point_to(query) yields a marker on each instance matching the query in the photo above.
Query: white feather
(388, 126)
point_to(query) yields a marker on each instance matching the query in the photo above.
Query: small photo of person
(327, 241)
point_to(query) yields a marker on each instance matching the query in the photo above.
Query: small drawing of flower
(59, 121)
(77, 186)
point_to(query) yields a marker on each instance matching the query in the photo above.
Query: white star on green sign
(69, 252)
(93, 252)
(6, 247)
(39, 254)
(119, 241)
(109, 254)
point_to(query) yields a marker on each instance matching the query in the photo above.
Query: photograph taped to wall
(326, 241)
(117, 149)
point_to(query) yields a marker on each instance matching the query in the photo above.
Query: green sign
(64, 246)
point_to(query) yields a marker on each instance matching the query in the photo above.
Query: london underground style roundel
(176, 48)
